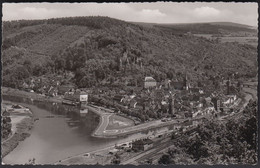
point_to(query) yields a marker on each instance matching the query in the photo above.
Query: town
(153, 100)
(182, 105)
(158, 83)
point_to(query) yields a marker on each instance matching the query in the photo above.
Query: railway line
(160, 148)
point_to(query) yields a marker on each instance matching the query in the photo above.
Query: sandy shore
(21, 128)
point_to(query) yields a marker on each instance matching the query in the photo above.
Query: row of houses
(53, 89)
(76, 96)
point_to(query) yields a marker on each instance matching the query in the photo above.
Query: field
(242, 40)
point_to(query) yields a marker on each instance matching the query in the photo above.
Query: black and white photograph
(129, 83)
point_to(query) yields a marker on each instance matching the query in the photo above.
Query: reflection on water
(60, 132)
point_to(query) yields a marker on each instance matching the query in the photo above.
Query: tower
(120, 64)
(171, 104)
(228, 87)
(185, 86)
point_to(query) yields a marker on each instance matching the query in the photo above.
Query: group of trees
(16, 75)
(6, 124)
(221, 143)
(161, 54)
(95, 22)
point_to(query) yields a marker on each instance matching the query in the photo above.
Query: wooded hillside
(102, 49)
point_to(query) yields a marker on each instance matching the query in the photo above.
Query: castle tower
(228, 87)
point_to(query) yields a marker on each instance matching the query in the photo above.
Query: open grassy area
(118, 122)
(242, 40)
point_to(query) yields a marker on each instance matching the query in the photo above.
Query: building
(149, 82)
(65, 88)
(52, 91)
(228, 86)
(83, 97)
(142, 144)
(230, 99)
(118, 98)
(78, 96)
(194, 90)
(216, 103)
(171, 105)
(25, 85)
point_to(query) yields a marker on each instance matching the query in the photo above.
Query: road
(252, 92)
(150, 152)
(105, 115)
(101, 129)
(102, 132)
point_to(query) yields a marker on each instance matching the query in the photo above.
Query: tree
(59, 63)
(28, 65)
(197, 149)
(165, 159)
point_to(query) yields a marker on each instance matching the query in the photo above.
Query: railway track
(154, 152)
(164, 146)
(157, 150)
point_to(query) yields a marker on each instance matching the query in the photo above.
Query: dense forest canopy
(98, 49)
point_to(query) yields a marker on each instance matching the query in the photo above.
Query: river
(61, 131)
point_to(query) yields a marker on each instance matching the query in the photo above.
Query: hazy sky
(159, 12)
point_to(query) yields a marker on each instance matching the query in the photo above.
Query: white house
(78, 96)
(149, 82)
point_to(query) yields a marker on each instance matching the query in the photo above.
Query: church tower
(228, 87)
(185, 83)
(171, 105)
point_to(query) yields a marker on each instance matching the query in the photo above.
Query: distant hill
(223, 28)
(102, 50)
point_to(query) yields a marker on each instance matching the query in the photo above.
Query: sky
(157, 12)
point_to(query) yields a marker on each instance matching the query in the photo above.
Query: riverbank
(22, 123)
(24, 94)
(91, 158)
(103, 157)
(100, 131)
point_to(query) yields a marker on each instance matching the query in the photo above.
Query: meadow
(225, 39)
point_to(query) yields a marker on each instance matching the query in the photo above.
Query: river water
(61, 131)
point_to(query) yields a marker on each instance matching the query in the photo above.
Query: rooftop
(144, 141)
(149, 78)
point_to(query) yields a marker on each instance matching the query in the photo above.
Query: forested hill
(101, 49)
(214, 28)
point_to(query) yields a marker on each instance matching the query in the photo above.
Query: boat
(69, 102)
